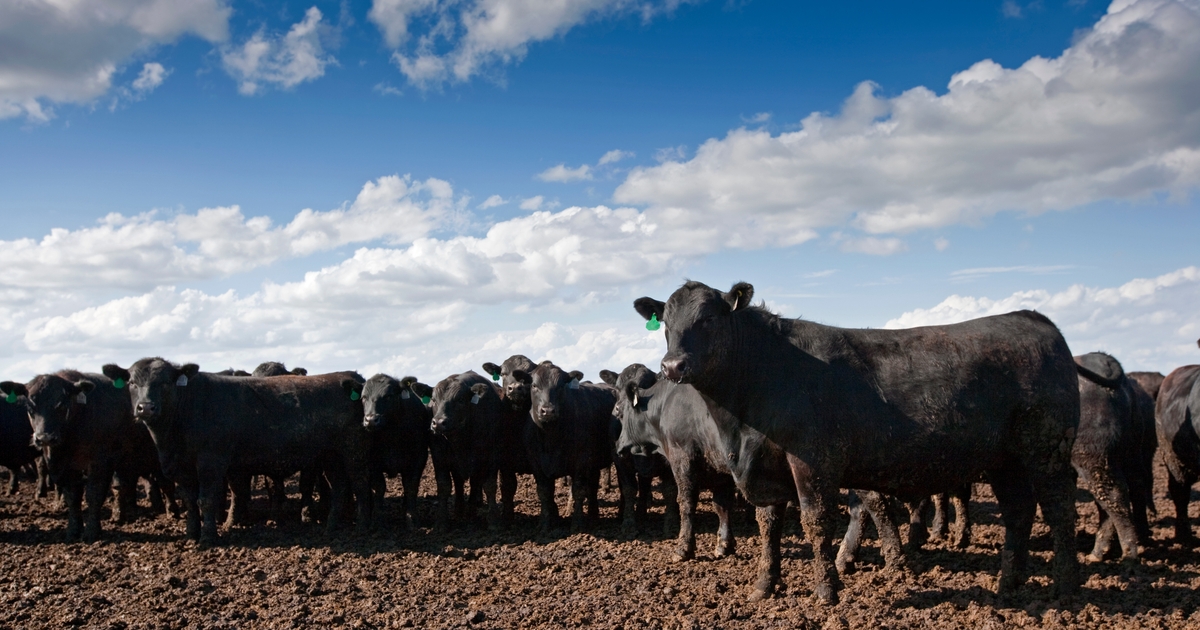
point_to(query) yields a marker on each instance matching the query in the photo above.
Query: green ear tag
(354, 395)
(11, 398)
(424, 400)
(653, 323)
(495, 376)
(119, 383)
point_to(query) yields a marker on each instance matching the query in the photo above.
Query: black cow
(468, 415)
(86, 430)
(1113, 452)
(639, 457)
(232, 372)
(914, 511)
(399, 426)
(1177, 414)
(514, 458)
(1150, 382)
(275, 368)
(569, 437)
(903, 412)
(206, 426)
(664, 419)
(16, 442)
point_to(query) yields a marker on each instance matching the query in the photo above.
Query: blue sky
(418, 186)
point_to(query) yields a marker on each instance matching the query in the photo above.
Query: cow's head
(455, 401)
(548, 386)
(515, 391)
(52, 402)
(638, 436)
(383, 398)
(154, 384)
(699, 325)
(275, 368)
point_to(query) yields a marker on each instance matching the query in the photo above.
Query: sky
(420, 186)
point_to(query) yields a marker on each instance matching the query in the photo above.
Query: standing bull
(1177, 414)
(904, 412)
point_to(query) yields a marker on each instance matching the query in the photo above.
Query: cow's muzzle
(676, 369)
(44, 440)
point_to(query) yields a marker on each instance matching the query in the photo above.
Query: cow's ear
(190, 370)
(421, 390)
(84, 386)
(115, 372)
(352, 387)
(576, 374)
(647, 306)
(492, 369)
(632, 393)
(609, 376)
(739, 296)
(481, 389)
(13, 389)
(521, 376)
(299, 372)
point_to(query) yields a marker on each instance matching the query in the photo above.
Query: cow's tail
(1108, 383)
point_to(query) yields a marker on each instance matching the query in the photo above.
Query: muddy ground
(143, 575)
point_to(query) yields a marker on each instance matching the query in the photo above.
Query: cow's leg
(940, 523)
(43, 475)
(549, 510)
(1014, 495)
(591, 480)
(1112, 493)
(686, 478)
(1181, 493)
(155, 492)
(645, 490)
(918, 534)
(1104, 535)
(12, 481)
(126, 488)
(277, 495)
(889, 537)
(854, 532)
(411, 480)
(508, 493)
(445, 489)
(1141, 498)
(724, 503)
(211, 477)
(627, 480)
(960, 534)
(378, 483)
(670, 492)
(578, 492)
(99, 486)
(1055, 492)
(189, 494)
(339, 496)
(70, 486)
(770, 531)
(359, 481)
(489, 495)
(239, 508)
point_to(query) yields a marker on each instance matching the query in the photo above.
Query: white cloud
(456, 40)
(144, 251)
(151, 76)
(492, 202)
(1116, 116)
(757, 119)
(68, 52)
(616, 155)
(532, 203)
(560, 173)
(1147, 323)
(281, 61)
(941, 244)
(387, 89)
(872, 245)
(979, 272)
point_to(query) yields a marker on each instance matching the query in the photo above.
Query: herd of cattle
(778, 410)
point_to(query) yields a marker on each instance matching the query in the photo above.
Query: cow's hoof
(843, 566)
(825, 594)
(724, 549)
(763, 588)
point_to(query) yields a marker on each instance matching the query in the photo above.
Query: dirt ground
(143, 575)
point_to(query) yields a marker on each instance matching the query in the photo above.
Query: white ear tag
(635, 399)
(574, 384)
(404, 394)
(475, 399)
(181, 381)
(81, 398)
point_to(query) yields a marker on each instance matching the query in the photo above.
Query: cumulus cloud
(1115, 116)
(284, 62)
(69, 52)
(532, 203)
(561, 173)
(151, 76)
(436, 41)
(492, 202)
(145, 250)
(1147, 323)
(614, 156)
(872, 246)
